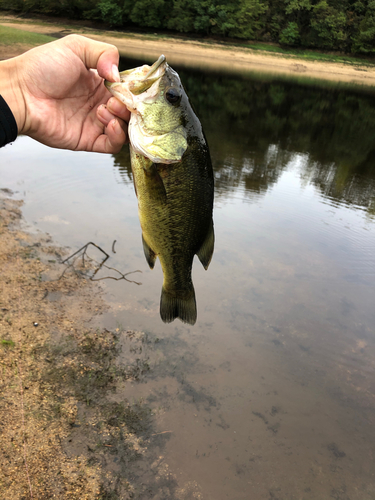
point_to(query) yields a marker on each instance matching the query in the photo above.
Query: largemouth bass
(173, 180)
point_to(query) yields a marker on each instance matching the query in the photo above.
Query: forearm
(10, 90)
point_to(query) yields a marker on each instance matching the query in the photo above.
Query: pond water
(271, 395)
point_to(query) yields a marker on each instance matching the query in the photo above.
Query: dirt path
(213, 56)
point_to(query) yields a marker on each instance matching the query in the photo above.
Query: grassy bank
(308, 55)
(217, 56)
(10, 36)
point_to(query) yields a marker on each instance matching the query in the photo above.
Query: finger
(112, 140)
(119, 109)
(104, 115)
(96, 55)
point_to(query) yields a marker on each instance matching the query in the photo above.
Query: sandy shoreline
(64, 409)
(203, 55)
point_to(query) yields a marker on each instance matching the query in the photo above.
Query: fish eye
(172, 95)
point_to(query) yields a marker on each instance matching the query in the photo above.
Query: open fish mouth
(156, 66)
(152, 94)
(134, 82)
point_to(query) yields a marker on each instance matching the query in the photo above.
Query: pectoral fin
(155, 185)
(146, 172)
(207, 249)
(149, 254)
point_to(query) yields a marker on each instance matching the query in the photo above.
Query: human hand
(58, 100)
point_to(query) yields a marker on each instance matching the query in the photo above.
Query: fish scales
(173, 179)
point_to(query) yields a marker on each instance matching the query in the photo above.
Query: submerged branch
(84, 248)
(82, 252)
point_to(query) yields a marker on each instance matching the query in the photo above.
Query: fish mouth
(139, 84)
(139, 80)
(155, 66)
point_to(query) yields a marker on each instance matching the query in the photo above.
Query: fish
(173, 180)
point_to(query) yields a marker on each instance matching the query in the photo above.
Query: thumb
(101, 56)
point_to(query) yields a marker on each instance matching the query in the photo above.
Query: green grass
(306, 54)
(7, 343)
(9, 36)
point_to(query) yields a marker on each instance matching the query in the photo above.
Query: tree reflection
(122, 161)
(255, 128)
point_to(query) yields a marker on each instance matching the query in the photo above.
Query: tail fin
(178, 305)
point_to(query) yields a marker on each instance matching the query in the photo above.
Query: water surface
(271, 394)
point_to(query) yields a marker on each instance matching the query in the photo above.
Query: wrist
(10, 90)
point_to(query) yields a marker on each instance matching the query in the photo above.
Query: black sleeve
(8, 125)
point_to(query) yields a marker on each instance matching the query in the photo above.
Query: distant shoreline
(204, 55)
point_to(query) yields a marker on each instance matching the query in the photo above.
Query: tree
(364, 39)
(329, 26)
(151, 13)
(249, 19)
(290, 35)
(110, 12)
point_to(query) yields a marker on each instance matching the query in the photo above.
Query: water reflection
(255, 130)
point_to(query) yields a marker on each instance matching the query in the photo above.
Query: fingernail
(115, 73)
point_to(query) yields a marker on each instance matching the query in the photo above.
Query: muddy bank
(67, 429)
(202, 55)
